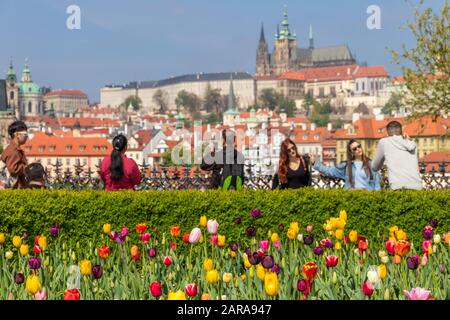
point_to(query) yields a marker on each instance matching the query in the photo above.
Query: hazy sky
(122, 41)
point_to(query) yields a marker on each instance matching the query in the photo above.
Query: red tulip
(72, 294)
(104, 252)
(144, 237)
(390, 247)
(367, 288)
(173, 245)
(309, 271)
(167, 260)
(37, 250)
(362, 246)
(402, 248)
(155, 289)
(175, 231)
(191, 289)
(331, 261)
(141, 227)
(186, 238)
(36, 239)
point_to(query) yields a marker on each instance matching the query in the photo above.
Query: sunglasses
(24, 133)
(291, 149)
(357, 147)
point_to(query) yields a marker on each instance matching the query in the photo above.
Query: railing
(170, 178)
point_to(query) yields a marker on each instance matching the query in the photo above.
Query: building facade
(65, 103)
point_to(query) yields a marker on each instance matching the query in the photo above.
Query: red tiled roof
(66, 93)
(292, 75)
(88, 122)
(373, 71)
(308, 136)
(436, 157)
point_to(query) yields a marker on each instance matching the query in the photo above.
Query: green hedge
(83, 214)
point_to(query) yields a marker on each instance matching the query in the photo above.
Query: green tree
(213, 101)
(161, 99)
(320, 114)
(269, 98)
(427, 81)
(393, 104)
(135, 102)
(308, 103)
(190, 101)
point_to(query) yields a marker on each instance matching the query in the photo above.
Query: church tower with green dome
(285, 46)
(31, 102)
(232, 115)
(12, 91)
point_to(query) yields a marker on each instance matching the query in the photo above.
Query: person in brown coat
(14, 157)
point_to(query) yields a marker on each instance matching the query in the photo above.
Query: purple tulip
(413, 262)
(276, 268)
(234, 246)
(120, 239)
(151, 252)
(254, 258)
(251, 231)
(267, 262)
(442, 268)
(308, 239)
(434, 223)
(427, 232)
(34, 263)
(54, 230)
(318, 250)
(302, 285)
(237, 221)
(280, 227)
(24, 235)
(248, 251)
(19, 278)
(255, 213)
(97, 271)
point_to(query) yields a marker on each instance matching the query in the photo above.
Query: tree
(213, 101)
(269, 98)
(135, 102)
(427, 82)
(308, 103)
(362, 108)
(393, 105)
(190, 101)
(287, 104)
(320, 114)
(161, 99)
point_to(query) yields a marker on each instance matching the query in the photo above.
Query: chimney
(355, 117)
(313, 126)
(348, 71)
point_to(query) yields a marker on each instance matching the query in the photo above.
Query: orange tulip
(397, 259)
(309, 271)
(175, 231)
(402, 248)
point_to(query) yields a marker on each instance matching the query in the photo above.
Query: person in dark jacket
(293, 169)
(35, 176)
(228, 164)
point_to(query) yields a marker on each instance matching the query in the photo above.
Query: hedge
(82, 214)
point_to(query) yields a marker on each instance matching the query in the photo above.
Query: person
(35, 176)
(400, 154)
(117, 171)
(228, 171)
(356, 171)
(13, 157)
(293, 169)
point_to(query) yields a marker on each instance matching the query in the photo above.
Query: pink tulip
(277, 244)
(264, 245)
(145, 237)
(212, 226)
(194, 236)
(331, 261)
(40, 295)
(367, 288)
(390, 247)
(417, 294)
(426, 244)
(214, 239)
(124, 231)
(309, 228)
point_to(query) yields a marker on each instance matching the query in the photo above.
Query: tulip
(247, 263)
(203, 221)
(42, 242)
(280, 227)
(104, 252)
(339, 234)
(17, 241)
(141, 228)
(274, 237)
(338, 246)
(34, 263)
(318, 250)
(381, 253)
(276, 268)
(9, 255)
(434, 223)
(212, 226)
(260, 272)
(427, 232)
(264, 245)
(107, 228)
(19, 278)
(40, 295)
(72, 294)
(227, 277)
(255, 213)
(205, 296)
(191, 289)
(426, 245)
(441, 268)
(267, 262)
(390, 247)
(397, 259)
(145, 237)
(331, 261)
(367, 288)
(291, 234)
(413, 262)
(97, 271)
(167, 260)
(214, 239)
(124, 231)
(308, 239)
(36, 250)
(353, 236)
(385, 259)
(302, 286)
(194, 236)
(85, 267)
(326, 243)
(134, 250)
(237, 221)
(418, 294)
(424, 260)
(401, 235)
(173, 245)
(362, 246)
(54, 230)
(32, 285)
(212, 276)
(309, 228)
(436, 238)
(254, 258)
(251, 231)
(175, 231)
(382, 271)
(234, 246)
(151, 252)
(300, 238)
(271, 284)
(113, 235)
(373, 277)
(386, 295)
(309, 271)
(277, 244)
(24, 249)
(2, 238)
(155, 289)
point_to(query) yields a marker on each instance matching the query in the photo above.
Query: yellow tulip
(179, 295)
(232, 254)
(327, 227)
(247, 263)
(382, 271)
(353, 236)
(203, 221)
(17, 241)
(260, 272)
(339, 234)
(107, 228)
(251, 272)
(227, 277)
(243, 276)
(338, 245)
(32, 285)
(221, 241)
(2, 238)
(294, 226)
(343, 215)
(291, 234)
(271, 284)
(42, 242)
(205, 296)
(85, 267)
(24, 250)
(274, 237)
(340, 224)
(208, 264)
(401, 235)
(212, 276)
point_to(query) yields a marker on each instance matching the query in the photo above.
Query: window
(28, 148)
(11, 95)
(68, 148)
(68, 161)
(363, 86)
(52, 148)
(333, 91)
(321, 92)
(84, 162)
(357, 86)
(305, 137)
(29, 106)
(82, 147)
(316, 137)
(40, 148)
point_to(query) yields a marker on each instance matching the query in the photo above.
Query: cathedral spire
(311, 38)
(26, 74)
(285, 32)
(262, 38)
(231, 95)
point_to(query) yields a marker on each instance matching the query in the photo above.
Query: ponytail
(116, 167)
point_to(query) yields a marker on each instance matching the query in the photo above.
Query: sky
(122, 41)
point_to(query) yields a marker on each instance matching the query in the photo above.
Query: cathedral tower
(262, 56)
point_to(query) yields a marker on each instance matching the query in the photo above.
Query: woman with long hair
(356, 171)
(293, 169)
(118, 171)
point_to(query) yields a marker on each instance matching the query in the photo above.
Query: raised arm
(377, 163)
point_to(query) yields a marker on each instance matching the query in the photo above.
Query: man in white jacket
(400, 154)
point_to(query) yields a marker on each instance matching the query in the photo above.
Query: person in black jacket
(227, 169)
(293, 169)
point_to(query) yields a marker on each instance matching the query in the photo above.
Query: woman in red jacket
(118, 171)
